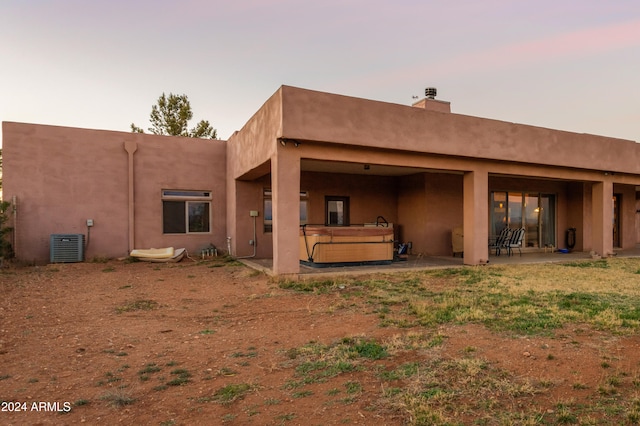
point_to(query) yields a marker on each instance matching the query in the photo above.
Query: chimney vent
(430, 92)
(430, 103)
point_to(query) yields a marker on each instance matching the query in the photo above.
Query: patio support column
(476, 217)
(285, 187)
(602, 228)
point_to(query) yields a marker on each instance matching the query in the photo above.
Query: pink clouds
(586, 42)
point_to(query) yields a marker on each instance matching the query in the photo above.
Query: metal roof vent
(430, 92)
(66, 248)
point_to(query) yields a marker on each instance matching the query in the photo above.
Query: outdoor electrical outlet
(89, 222)
(253, 213)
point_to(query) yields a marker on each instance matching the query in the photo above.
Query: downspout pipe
(14, 232)
(131, 147)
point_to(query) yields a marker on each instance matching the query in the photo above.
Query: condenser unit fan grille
(66, 248)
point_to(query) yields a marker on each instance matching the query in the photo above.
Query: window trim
(187, 197)
(540, 195)
(267, 194)
(179, 195)
(346, 209)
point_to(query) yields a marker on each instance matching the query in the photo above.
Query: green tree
(5, 245)
(6, 250)
(171, 115)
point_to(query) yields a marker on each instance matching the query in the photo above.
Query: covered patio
(427, 172)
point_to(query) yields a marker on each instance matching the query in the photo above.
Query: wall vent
(66, 248)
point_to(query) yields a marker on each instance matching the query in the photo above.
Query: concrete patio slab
(420, 262)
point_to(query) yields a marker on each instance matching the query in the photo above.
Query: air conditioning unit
(66, 248)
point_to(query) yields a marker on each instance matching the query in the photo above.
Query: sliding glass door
(547, 213)
(535, 212)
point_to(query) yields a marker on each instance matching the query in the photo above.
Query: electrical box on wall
(253, 213)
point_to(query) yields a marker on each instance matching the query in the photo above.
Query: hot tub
(321, 245)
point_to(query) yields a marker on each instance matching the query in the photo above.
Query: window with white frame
(186, 212)
(268, 213)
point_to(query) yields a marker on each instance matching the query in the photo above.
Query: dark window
(198, 216)
(268, 209)
(336, 211)
(185, 194)
(173, 217)
(186, 212)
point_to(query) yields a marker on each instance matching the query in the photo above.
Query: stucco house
(308, 157)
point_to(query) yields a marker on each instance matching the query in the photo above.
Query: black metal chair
(501, 241)
(515, 241)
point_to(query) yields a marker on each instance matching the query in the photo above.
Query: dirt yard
(160, 344)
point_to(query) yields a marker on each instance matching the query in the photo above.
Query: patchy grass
(317, 363)
(309, 286)
(181, 377)
(118, 397)
(420, 370)
(438, 389)
(150, 368)
(524, 299)
(138, 305)
(232, 392)
(603, 264)
(519, 300)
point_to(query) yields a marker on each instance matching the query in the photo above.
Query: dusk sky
(564, 64)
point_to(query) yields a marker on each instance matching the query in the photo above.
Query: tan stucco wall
(341, 119)
(363, 207)
(248, 157)
(250, 149)
(412, 211)
(430, 205)
(445, 211)
(63, 176)
(424, 207)
(628, 215)
(637, 218)
(178, 163)
(249, 196)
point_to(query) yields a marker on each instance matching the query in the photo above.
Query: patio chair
(515, 241)
(501, 241)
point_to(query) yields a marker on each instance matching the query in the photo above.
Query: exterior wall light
(283, 142)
